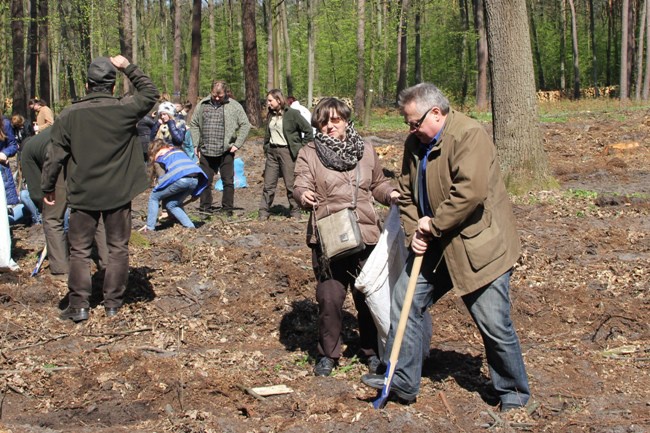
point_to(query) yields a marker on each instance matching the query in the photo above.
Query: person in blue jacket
(178, 177)
(8, 148)
(166, 126)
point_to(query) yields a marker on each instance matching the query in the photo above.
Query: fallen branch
(446, 403)
(40, 367)
(156, 350)
(40, 343)
(120, 333)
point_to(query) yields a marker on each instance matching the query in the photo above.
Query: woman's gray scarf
(339, 155)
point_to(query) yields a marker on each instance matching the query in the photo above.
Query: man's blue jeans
(490, 309)
(172, 198)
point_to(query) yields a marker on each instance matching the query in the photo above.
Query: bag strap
(356, 187)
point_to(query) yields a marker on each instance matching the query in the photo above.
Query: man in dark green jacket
(96, 137)
(32, 159)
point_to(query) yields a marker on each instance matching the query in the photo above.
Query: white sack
(381, 271)
(5, 237)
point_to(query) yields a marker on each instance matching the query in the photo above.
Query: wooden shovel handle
(406, 307)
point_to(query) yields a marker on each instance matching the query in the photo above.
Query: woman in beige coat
(326, 179)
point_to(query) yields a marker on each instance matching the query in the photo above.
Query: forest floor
(214, 311)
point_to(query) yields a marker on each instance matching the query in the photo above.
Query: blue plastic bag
(240, 177)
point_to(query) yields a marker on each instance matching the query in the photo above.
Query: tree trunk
(66, 48)
(164, 29)
(538, 56)
(646, 79)
(251, 69)
(176, 26)
(311, 51)
(287, 47)
(594, 59)
(639, 54)
(623, 87)
(382, 36)
(574, 43)
(30, 66)
(134, 31)
(417, 67)
(17, 40)
(276, 45)
(563, 46)
(195, 56)
(514, 105)
(402, 58)
(481, 57)
(464, 16)
(126, 39)
(44, 52)
(371, 72)
(361, 61)
(212, 40)
(270, 64)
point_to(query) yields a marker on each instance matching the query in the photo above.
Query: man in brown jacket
(456, 212)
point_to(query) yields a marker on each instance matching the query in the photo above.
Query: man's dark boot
(75, 314)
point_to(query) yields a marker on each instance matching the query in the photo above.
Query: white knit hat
(167, 107)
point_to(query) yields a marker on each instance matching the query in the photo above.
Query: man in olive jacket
(96, 138)
(456, 211)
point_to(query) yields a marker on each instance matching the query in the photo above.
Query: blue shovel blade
(382, 397)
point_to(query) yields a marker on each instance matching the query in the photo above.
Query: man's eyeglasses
(414, 126)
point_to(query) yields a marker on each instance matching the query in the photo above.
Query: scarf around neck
(339, 155)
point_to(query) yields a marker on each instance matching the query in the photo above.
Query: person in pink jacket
(325, 182)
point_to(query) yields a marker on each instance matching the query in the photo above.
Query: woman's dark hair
(278, 96)
(321, 114)
(37, 101)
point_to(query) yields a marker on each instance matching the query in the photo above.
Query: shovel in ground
(37, 268)
(380, 402)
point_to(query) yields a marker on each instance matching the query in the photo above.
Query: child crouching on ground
(178, 177)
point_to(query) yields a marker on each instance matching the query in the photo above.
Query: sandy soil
(230, 305)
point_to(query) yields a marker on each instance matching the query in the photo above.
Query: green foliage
(583, 194)
(447, 49)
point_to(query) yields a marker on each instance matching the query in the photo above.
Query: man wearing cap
(96, 140)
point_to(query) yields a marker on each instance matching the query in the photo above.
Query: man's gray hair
(425, 96)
